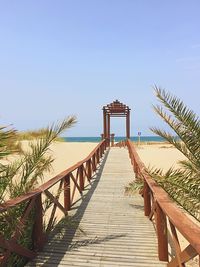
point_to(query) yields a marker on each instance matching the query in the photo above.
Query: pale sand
(67, 154)
(159, 155)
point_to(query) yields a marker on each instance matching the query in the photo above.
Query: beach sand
(159, 155)
(67, 154)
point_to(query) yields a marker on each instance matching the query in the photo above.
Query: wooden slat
(56, 202)
(188, 253)
(17, 248)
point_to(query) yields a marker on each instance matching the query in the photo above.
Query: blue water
(117, 139)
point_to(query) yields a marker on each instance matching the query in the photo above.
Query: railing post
(67, 197)
(94, 163)
(112, 139)
(38, 235)
(103, 148)
(133, 161)
(81, 180)
(147, 199)
(161, 226)
(101, 151)
(89, 169)
(105, 145)
(98, 155)
(135, 169)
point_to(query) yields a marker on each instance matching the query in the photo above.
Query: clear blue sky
(72, 57)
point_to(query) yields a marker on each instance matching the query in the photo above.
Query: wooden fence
(167, 215)
(66, 183)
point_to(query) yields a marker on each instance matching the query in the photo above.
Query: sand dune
(160, 155)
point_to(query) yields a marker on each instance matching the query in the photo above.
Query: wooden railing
(120, 144)
(168, 217)
(66, 183)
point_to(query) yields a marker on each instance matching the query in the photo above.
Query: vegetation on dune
(9, 142)
(33, 134)
(22, 175)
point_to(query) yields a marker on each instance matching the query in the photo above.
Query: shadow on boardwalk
(66, 229)
(107, 228)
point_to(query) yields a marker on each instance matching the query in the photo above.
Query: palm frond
(180, 111)
(22, 175)
(34, 162)
(184, 122)
(181, 187)
(182, 184)
(134, 187)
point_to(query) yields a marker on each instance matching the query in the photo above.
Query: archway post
(112, 139)
(108, 133)
(115, 109)
(104, 123)
(128, 125)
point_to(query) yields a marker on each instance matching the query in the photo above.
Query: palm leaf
(182, 184)
(183, 121)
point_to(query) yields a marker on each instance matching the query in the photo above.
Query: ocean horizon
(97, 139)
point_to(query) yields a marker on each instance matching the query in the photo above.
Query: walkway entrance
(115, 109)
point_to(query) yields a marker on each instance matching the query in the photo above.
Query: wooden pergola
(115, 109)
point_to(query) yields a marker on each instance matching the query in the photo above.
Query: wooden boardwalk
(109, 228)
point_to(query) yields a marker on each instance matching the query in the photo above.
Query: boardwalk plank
(110, 228)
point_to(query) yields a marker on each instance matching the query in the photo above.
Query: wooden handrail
(12, 202)
(157, 203)
(75, 175)
(170, 207)
(120, 144)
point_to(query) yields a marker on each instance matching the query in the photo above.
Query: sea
(97, 139)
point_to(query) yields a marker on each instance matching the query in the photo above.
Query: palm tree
(22, 175)
(183, 183)
(8, 145)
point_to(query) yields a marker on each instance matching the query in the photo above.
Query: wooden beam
(128, 125)
(38, 235)
(67, 197)
(188, 253)
(108, 131)
(161, 226)
(104, 123)
(147, 199)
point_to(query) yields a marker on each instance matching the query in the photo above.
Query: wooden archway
(115, 109)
